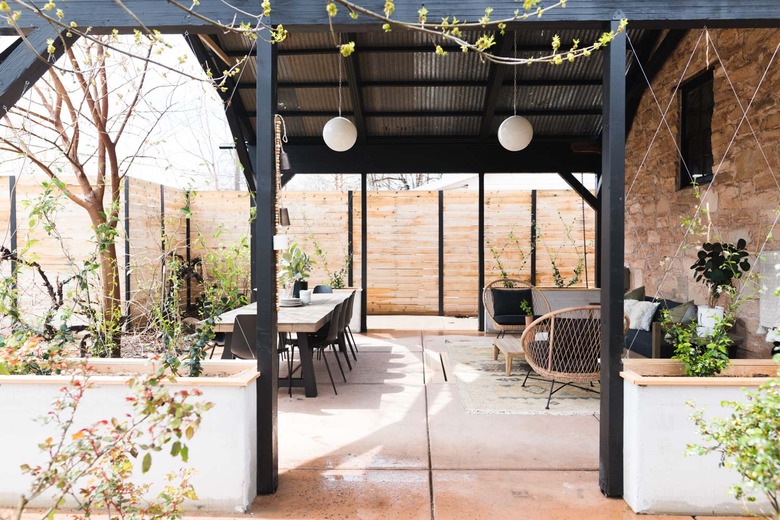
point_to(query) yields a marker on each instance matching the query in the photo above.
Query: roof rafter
(494, 85)
(352, 71)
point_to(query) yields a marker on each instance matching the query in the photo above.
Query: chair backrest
(565, 344)
(319, 289)
(348, 309)
(335, 324)
(244, 337)
(539, 302)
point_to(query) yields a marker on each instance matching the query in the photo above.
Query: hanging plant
(719, 265)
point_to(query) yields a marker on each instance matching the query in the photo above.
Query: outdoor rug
(484, 387)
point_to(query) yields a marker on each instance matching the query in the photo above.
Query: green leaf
(147, 463)
(175, 448)
(185, 453)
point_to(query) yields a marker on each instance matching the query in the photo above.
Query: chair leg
(552, 384)
(350, 343)
(336, 355)
(526, 376)
(353, 342)
(329, 374)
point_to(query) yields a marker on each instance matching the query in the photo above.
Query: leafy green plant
(718, 265)
(22, 354)
(294, 265)
(702, 356)
(336, 279)
(95, 464)
(748, 441)
(525, 306)
(512, 245)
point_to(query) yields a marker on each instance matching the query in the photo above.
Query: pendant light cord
(339, 58)
(514, 79)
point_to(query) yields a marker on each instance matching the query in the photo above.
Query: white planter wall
(223, 451)
(658, 477)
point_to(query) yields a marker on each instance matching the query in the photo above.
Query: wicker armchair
(512, 319)
(563, 346)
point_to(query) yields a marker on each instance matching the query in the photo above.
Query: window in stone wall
(696, 130)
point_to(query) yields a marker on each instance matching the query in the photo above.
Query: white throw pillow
(640, 313)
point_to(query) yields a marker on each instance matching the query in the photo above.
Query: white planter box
(658, 477)
(223, 451)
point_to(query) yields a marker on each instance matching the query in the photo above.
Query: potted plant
(294, 269)
(719, 265)
(658, 477)
(748, 441)
(34, 375)
(525, 306)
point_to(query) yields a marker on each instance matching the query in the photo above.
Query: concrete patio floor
(396, 443)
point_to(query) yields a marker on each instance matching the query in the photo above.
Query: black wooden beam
(392, 49)
(636, 81)
(127, 245)
(351, 237)
(235, 113)
(27, 62)
(441, 252)
(250, 85)
(12, 224)
(286, 177)
(440, 158)
(441, 113)
(534, 235)
(304, 15)
(581, 190)
(494, 85)
(352, 72)
(265, 267)
(612, 258)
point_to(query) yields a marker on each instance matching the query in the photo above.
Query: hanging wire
(339, 58)
(514, 75)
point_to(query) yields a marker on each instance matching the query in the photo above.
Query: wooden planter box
(223, 451)
(658, 477)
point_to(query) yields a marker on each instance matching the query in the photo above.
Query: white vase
(708, 317)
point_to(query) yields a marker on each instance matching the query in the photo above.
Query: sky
(184, 149)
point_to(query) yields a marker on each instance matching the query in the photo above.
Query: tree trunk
(111, 297)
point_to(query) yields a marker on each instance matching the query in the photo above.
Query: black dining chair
(321, 289)
(241, 343)
(348, 331)
(328, 336)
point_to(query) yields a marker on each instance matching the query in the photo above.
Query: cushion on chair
(506, 302)
(635, 294)
(683, 313)
(510, 319)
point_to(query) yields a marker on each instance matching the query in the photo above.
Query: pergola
(416, 112)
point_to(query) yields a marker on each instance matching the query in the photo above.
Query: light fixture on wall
(339, 133)
(516, 132)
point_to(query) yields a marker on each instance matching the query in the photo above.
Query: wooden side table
(511, 347)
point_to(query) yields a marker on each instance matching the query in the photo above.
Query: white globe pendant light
(515, 133)
(339, 134)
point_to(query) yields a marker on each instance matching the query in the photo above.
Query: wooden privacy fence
(152, 225)
(422, 246)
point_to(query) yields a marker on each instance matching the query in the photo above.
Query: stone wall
(744, 197)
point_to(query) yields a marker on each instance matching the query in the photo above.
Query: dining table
(302, 320)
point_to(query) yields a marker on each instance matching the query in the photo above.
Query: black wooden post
(533, 237)
(481, 251)
(363, 251)
(162, 240)
(188, 245)
(265, 271)
(441, 253)
(350, 238)
(253, 246)
(612, 251)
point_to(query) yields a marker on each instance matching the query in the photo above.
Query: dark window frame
(696, 130)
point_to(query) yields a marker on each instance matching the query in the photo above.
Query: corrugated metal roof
(422, 66)
(428, 105)
(423, 98)
(313, 99)
(556, 97)
(586, 126)
(310, 67)
(422, 126)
